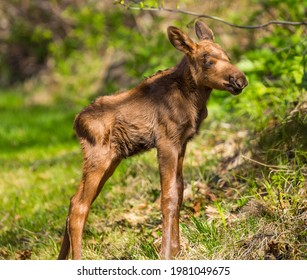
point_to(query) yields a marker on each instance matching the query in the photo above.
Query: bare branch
(198, 15)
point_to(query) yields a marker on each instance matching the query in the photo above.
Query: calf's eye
(209, 63)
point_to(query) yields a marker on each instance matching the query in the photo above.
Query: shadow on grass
(287, 139)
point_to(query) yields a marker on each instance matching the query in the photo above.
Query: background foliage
(245, 194)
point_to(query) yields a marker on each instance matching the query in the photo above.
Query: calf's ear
(203, 32)
(180, 40)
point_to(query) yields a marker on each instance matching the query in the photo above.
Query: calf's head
(209, 64)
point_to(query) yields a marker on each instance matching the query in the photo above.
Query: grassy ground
(245, 193)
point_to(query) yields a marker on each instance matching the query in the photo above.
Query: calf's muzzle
(236, 83)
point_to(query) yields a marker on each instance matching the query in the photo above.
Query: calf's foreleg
(170, 167)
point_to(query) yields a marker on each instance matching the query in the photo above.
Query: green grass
(233, 208)
(39, 158)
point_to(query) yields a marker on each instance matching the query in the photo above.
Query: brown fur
(163, 112)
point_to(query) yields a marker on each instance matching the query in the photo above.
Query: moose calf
(163, 112)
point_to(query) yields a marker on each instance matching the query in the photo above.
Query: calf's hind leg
(97, 168)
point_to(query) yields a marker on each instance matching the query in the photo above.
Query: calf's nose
(242, 82)
(239, 82)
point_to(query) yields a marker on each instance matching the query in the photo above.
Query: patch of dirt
(255, 208)
(4, 254)
(23, 255)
